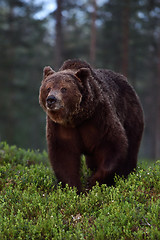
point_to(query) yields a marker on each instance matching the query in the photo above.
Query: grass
(32, 208)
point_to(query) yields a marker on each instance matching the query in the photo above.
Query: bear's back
(74, 64)
(119, 93)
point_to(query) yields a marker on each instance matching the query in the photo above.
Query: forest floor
(32, 208)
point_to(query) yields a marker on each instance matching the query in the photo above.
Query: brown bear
(94, 112)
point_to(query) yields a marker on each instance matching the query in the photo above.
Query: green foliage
(31, 207)
(14, 156)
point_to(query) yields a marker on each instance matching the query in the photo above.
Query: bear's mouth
(54, 106)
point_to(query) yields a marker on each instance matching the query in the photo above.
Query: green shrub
(31, 207)
(16, 156)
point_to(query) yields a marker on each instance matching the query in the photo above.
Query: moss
(32, 208)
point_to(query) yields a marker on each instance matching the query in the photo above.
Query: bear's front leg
(109, 158)
(64, 154)
(66, 164)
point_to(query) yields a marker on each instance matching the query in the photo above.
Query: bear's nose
(51, 99)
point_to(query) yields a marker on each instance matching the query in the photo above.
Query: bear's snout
(53, 103)
(51, 99)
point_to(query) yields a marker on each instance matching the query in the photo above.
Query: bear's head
(62, 93)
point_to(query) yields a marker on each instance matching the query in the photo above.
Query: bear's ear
(82, 74)
(47, 71)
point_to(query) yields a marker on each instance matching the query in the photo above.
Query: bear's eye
(48, 89)
(63, 90)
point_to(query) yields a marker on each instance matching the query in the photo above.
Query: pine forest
(123, 36)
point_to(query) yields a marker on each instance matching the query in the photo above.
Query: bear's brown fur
(94, 112)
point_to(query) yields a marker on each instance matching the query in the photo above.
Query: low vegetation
(31, 207)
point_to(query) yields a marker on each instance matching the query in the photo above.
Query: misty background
(123, 36)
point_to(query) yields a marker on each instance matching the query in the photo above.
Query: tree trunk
(93, 34)
(59, 42)
(125, 36)
(157, 129)
(10, 121)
